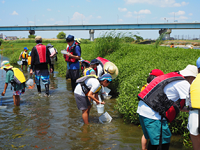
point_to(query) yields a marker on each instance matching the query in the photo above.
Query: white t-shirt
(92, 83)
(99, 70)
(174, 91)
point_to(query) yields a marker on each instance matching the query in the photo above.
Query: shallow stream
(55, 122)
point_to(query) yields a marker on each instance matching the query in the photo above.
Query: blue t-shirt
(77, 52)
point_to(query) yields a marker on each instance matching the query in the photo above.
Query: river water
(55, 122)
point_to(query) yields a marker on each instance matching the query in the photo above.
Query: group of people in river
(160, 100)
(100, 72)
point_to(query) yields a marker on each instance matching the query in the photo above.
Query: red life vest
(102, 60)
(153, 95)
(41, 50)
(71, 50)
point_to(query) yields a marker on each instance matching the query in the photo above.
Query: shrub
(61, 35)
(31, 36)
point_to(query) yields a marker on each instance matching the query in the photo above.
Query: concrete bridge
(162, 27)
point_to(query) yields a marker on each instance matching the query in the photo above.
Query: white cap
(190, 70)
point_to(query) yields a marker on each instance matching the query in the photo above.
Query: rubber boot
(47, 89)
(39, 89)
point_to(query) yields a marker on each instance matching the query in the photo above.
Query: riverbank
(180, 43)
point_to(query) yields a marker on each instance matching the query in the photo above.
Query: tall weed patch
(107, 43)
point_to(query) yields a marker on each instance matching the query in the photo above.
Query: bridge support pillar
(32, 32)
(167, 33)
(91, 35)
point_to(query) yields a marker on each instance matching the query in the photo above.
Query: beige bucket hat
(5, 64)
(111, 68)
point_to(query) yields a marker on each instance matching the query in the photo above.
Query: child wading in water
(18, 88)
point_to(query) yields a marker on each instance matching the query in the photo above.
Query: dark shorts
(25, 63)
(82, 102)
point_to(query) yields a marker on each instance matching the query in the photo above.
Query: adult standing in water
(40, 58)
(91, 87)
(72, 58)
(194, 109)
(176, 90)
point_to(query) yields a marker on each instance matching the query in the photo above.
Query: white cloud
(122, 9)
(31, 22)
(15, 13)
(3, 2)
(182, 18)
(51, 19)
(146, 11)
(176, 4)
(77, 16)
(178, 13)
(48, 9)
(128, 15)
(99, 17)
(59, 22)
(184, 3)
(120, 20)
(161, 3)
(190, 14)
(58, 10)
(80, 18)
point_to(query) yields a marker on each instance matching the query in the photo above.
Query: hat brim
(187, 73)
(8, 67)
(107, 65)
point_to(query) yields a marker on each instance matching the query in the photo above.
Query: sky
(87, 12)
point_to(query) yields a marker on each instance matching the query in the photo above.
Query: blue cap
(198, 62)
(70, 38)
(94, 61)
(25, 48)
(106, 76)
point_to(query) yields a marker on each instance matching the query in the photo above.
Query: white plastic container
(29, 82)
(107, 90)
(105, 118)
(106, 96)
(19, 62)
(100, 108)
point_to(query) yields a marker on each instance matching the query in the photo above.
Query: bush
(31, 36)
(61, 35)
(107, 43)
(134, 63)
